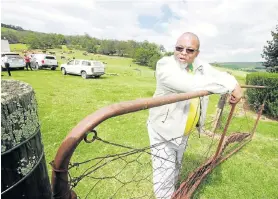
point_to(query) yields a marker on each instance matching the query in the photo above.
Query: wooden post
(23, 166)
(217, 120)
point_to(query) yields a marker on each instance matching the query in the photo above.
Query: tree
(12, 27)
(153, 60)
(147, 54)
(121, 48)
(142, 56)
(162, 49)
(270, 53)
(91, 48)
(107, 47)
(168, 53)
(11, 36)
(60, 39)
(131, 48)
(143, 53)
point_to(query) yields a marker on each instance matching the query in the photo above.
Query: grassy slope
(18, 47)
(3, 29)
(64, 100)
(243, 66)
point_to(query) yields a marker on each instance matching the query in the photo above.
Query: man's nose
(184, 52)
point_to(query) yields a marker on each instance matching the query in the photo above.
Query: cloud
(228, 30)
(242, 51)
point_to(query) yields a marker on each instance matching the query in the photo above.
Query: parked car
(85, 68)
(39, 61)
(14, 59)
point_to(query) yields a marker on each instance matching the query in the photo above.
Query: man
(169, 125)
(27, 61)
(7, 64)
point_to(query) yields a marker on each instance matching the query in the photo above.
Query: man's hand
(236, 95)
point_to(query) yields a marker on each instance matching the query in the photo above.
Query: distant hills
(37, 40)
(244, 66)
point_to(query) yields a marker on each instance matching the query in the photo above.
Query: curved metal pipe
(60, 186)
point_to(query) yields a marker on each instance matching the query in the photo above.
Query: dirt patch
(247, 108)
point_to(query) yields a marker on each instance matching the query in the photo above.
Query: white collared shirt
(172, 77)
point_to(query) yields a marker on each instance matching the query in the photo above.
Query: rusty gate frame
(60, 165)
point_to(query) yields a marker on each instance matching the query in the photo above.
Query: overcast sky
(232, 30)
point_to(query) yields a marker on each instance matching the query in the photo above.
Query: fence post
(257, 120)
(23, 166)
(220, 107)
(224, 131)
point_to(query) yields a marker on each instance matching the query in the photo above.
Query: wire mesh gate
(128, 171)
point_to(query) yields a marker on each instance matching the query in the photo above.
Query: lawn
(65, 100)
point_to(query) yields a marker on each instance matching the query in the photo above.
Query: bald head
(187, 48)
(189, 36)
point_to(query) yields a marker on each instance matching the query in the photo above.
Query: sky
(229, 31)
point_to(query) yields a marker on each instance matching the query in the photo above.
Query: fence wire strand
(130, 173)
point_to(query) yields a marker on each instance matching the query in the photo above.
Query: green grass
(251, 173)
(3, 29)
(65, 100)
(240, 75)
(18, 47)
(243, 66)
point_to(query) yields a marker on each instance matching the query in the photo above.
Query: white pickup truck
(85, 68)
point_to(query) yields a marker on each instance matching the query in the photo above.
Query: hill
(244, 66)
(143, 53)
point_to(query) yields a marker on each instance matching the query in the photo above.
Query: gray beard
(182, 65)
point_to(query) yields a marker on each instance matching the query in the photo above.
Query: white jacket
(171, 77)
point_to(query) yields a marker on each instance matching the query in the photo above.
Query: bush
(256, 96)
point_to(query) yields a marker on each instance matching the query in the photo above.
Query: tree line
(143, 53)
(12, 27)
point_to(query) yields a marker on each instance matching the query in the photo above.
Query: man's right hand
(236, 95)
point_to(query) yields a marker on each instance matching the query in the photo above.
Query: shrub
(256, 96)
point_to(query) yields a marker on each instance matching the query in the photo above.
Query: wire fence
(153, 171)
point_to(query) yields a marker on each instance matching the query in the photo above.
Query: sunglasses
(188, 50)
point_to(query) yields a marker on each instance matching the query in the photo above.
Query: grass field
(243, 66)
(65, 100)
(18, 47)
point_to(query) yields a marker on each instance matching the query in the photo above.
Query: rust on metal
(253, 86)
(257, 120)
(60, 185)
(194, 179)
(60, 181)
(94, 136)
(225, 130)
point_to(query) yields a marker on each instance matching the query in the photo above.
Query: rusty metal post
(188, 187)
(253, 86)
(225, 131)
(220, 107)
(257, 120)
